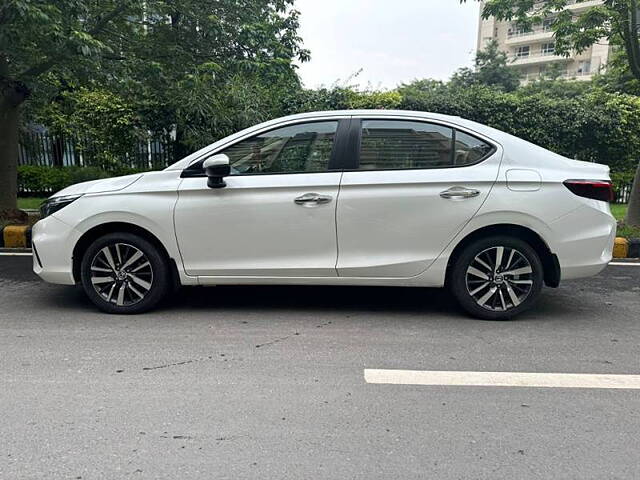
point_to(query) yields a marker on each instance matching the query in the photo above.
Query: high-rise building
(533, 52)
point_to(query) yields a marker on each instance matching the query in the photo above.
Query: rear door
(413, 186)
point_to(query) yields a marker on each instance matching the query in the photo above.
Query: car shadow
(429, 302)
(554, 305)
(316, 298)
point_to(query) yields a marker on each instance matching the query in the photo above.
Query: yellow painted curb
(15, 236)
(620, 248)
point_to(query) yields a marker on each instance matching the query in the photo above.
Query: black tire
(136, 278)
(512, 293)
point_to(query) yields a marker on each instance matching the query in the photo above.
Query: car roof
(350, 113)
(489, 132)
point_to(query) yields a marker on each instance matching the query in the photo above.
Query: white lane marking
(501, 379)
(625, 264)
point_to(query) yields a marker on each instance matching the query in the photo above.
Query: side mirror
(216, 168)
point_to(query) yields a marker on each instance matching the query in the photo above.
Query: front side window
(401, 144)
(293, 149)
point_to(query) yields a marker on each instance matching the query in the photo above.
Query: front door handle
(454, 193)
(312, 199)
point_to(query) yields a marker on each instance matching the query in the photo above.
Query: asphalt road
(267, 383)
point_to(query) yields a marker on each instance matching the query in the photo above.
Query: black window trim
(356, 133)
(336, 161)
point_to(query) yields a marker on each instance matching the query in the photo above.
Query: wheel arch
(550, 264)
(98, 231)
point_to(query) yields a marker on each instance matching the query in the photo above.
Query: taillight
(595, 189)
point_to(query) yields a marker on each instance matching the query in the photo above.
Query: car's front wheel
(124, 273)
(496, 278)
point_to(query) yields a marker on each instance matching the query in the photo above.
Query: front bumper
(54, 240)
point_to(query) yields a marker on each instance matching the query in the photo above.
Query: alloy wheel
(121, 274)
(499, 278)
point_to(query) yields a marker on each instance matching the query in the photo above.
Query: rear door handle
(312, 199)
(459, 193)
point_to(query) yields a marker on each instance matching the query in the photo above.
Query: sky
(390, 41)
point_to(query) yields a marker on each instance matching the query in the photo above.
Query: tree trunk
(180, 150)
(57, 142)
(8, 155)
(12, 95)
(633, 213)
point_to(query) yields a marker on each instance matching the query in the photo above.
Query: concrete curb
(16, 251)
(15, 236)
(624, 248)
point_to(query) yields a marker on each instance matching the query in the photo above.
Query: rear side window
(401, 144)
(469, 149)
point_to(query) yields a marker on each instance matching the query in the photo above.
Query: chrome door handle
(459, 193)
(312, 199)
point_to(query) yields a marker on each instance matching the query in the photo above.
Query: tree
(491, 69)
(157, 50)
(616, 20)
(37, 38)
(210, 66)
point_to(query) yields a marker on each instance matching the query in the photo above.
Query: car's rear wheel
(124, 273)
(497, 278)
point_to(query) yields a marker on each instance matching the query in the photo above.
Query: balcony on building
(573, 5)
(537, 57)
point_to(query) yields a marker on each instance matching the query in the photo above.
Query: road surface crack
(277, 340)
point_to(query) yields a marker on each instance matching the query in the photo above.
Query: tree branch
(43, 67)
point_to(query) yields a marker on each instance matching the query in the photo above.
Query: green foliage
(618, 76)
(38, 180)
(339, 98)
(556, 88)
(491, 69)
(30, 203)
(203, 67)
(575, 119)
(373, 100)
(595, 126)
(213, 108)
(105, 125)
(615, 20)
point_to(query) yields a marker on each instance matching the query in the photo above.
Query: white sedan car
(338, 198)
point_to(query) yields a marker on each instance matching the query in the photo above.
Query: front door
(413, 187)
(275, 217)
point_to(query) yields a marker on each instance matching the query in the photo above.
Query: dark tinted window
(390, 144)
(400, 144)
(297, 148)
(469, 149)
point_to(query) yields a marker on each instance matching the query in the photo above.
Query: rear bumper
(54, 241)
(585, 247)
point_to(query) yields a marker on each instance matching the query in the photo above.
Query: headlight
(54, 204)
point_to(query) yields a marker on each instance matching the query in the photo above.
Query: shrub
(597, 126)
(36, 180)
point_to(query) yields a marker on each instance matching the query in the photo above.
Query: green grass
(628, 232)
(30, 203)
(619, 211)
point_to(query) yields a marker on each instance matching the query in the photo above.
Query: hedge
(36, 180)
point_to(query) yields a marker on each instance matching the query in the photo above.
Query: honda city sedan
(380, 198)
